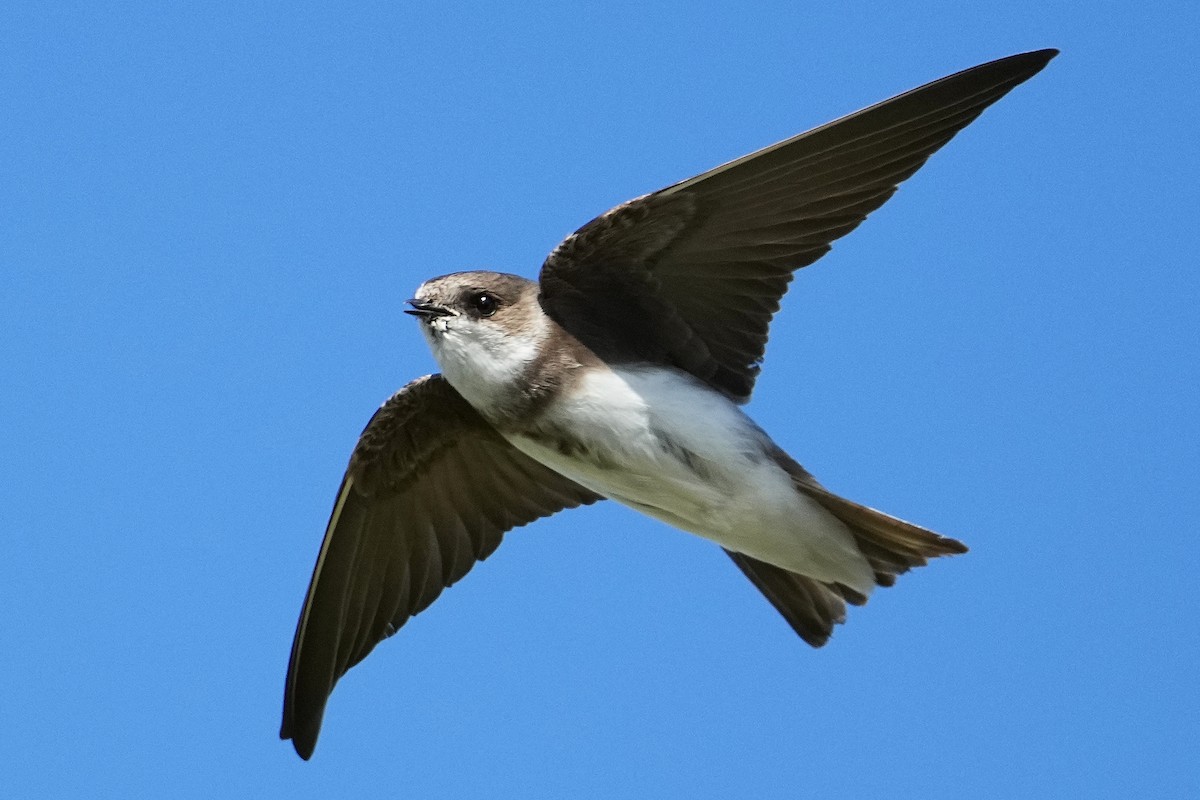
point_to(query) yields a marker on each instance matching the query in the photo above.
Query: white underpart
(731, 492)
(481, 360)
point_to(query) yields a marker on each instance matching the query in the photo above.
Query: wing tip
(1021, 66)
(1043, 54)
(304, 743)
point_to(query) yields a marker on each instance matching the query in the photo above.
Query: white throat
(486, 362)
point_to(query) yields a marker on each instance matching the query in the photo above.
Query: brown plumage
(425, 497)
(685, 280)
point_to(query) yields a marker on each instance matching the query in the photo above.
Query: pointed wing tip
(1031, 63)
(301, 728)
(1040, 58)
(1010, 70)
(1044, 55)
(304, 744)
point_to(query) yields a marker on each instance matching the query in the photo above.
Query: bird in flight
(620, 374)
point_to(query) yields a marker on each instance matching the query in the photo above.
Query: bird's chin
(433, 330)
(438, 340)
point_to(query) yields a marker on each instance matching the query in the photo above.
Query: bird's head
(484, 328)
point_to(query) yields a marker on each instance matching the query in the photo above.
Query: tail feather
(890, 545)
(812, 608)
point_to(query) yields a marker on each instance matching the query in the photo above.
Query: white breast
(665, 444)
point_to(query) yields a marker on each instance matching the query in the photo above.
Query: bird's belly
(643, 475)
(664, 444)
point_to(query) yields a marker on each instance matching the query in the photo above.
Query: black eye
(484, 303)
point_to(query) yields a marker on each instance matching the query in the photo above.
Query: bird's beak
(425, 310)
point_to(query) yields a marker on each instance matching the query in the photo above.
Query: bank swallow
(620, 374)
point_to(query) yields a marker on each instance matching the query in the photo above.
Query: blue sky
(210, 217)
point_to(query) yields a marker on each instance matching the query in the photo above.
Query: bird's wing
(431, 489)
(691, 275)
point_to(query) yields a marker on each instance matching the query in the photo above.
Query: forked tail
(890, 545)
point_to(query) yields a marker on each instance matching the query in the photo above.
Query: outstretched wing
(692, 274)
(431, 489)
